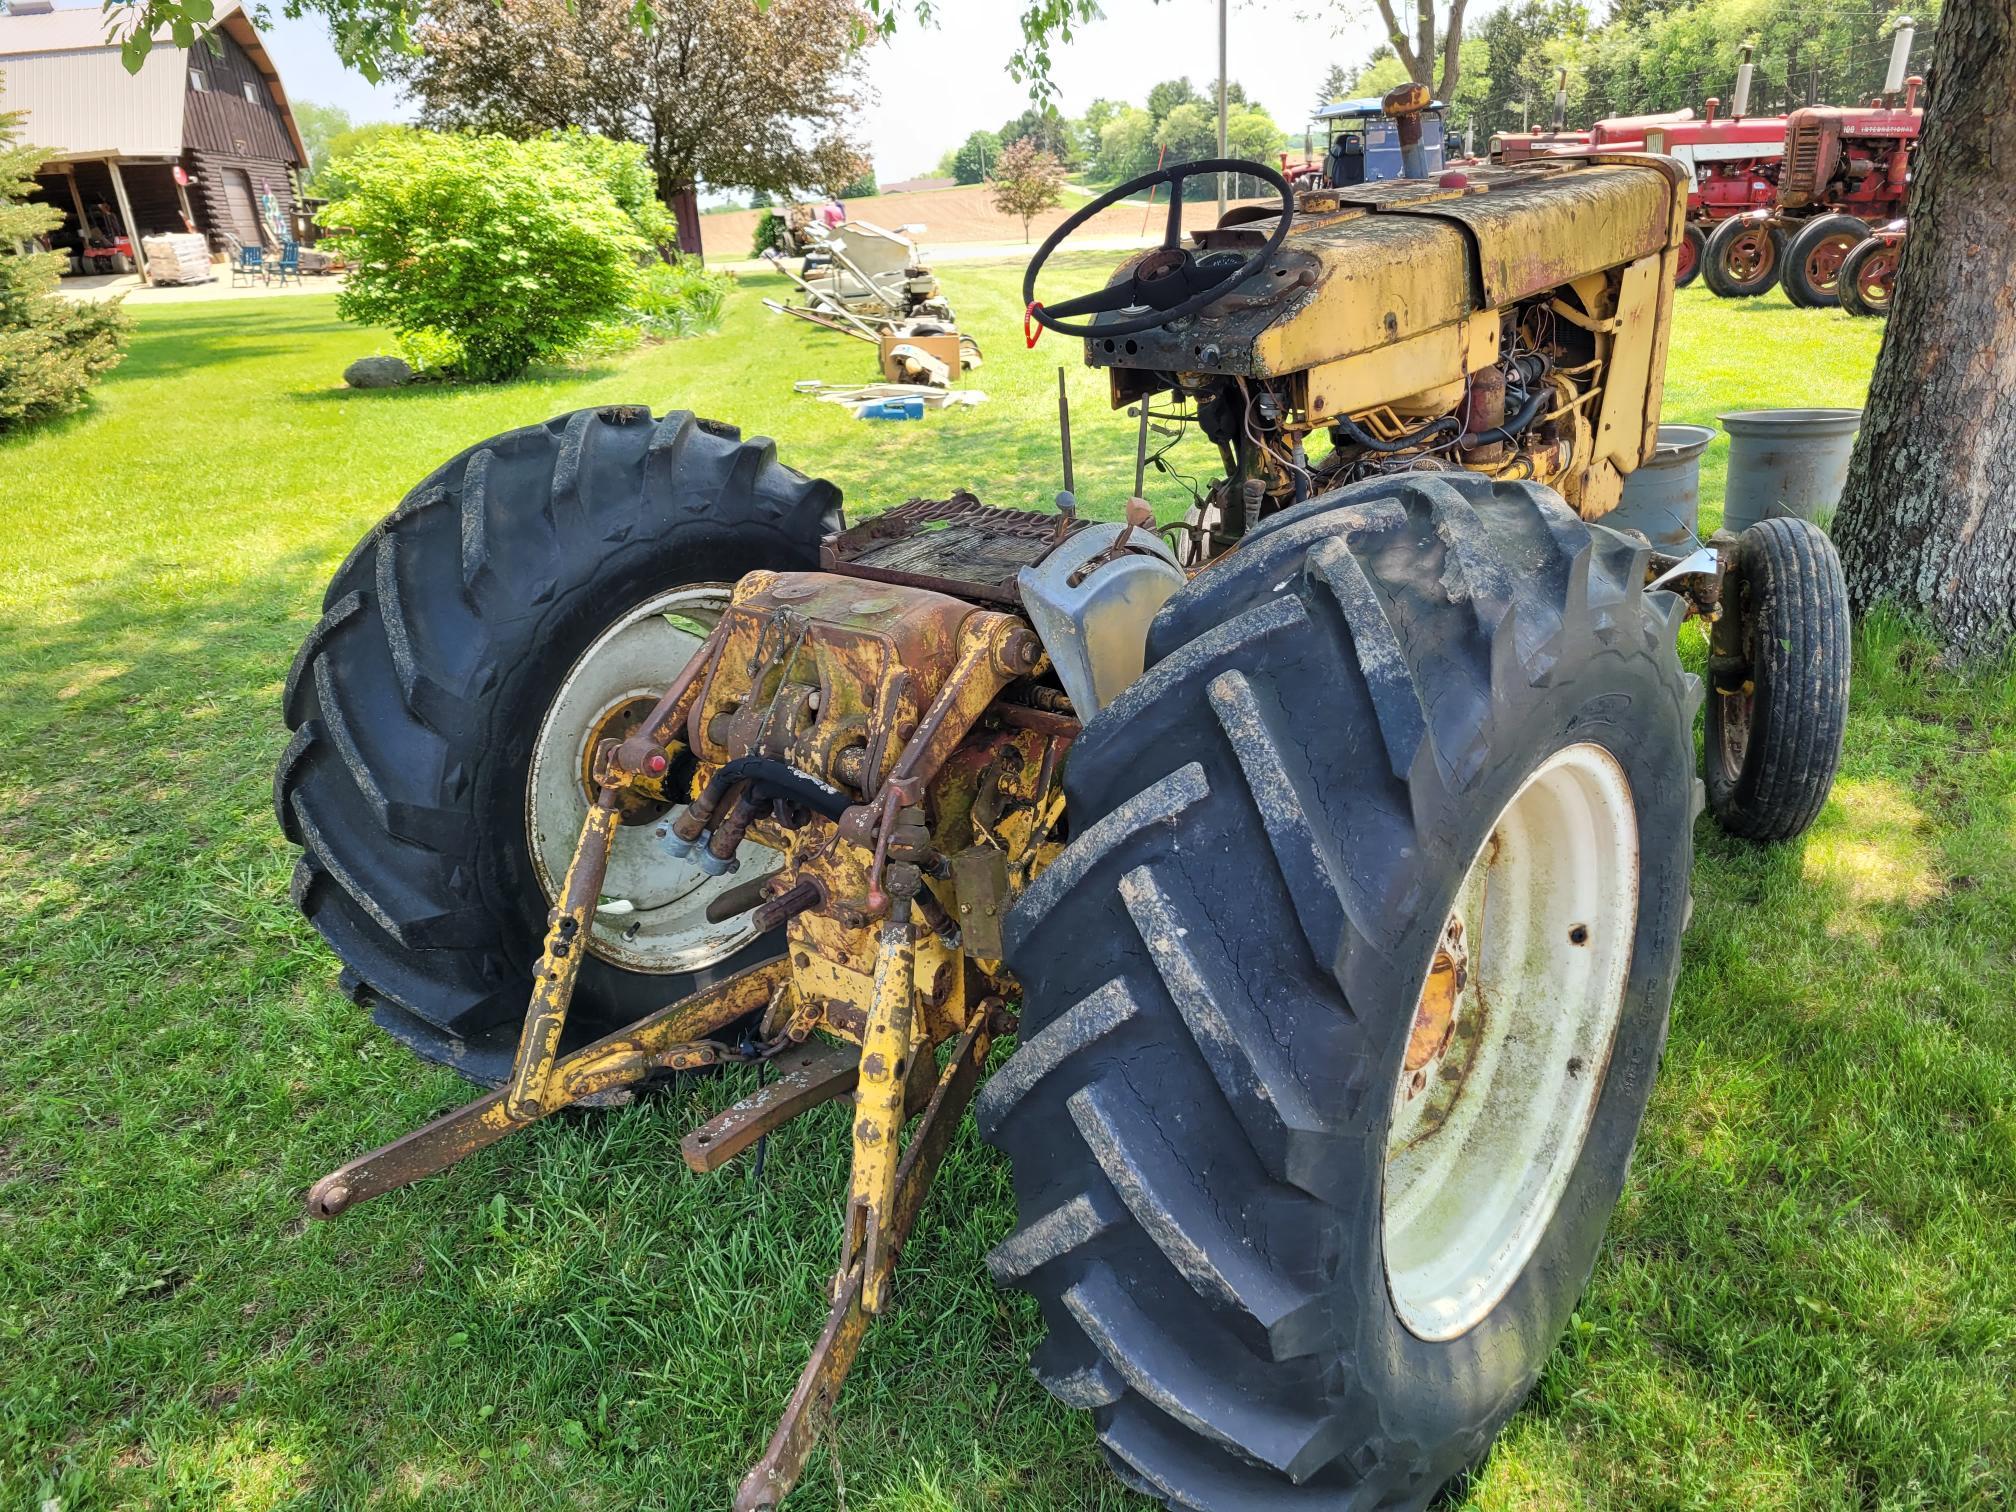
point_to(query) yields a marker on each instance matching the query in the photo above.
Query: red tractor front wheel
(1693, 247)
(1868, 277)
(1743, 258)
(1813, 264)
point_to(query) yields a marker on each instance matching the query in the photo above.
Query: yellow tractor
(1325, 847)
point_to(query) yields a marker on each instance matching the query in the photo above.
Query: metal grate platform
(957, 546)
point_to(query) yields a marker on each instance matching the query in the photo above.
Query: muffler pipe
(1900, 54)
(1740, 106)
(1561, 100)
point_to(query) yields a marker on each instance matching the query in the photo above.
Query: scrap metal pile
(862, 281)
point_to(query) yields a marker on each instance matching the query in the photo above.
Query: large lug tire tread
(1220, 973)
(1715, 273)
(1799, 287)
(415, 700)
(1790, 575)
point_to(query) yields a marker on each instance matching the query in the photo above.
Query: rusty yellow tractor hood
(1368, 266)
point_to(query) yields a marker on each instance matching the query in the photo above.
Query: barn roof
(62, 67)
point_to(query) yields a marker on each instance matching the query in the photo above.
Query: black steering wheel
(1169, 282)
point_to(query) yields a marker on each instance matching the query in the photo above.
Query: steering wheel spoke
(1115, 296)
(1172, 235)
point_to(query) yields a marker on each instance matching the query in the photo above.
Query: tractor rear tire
(1743, 259)
(1868, 277)
(1779, 665)
(1813, 261)
(447, 639)
(1693, 249)
(1221, 975)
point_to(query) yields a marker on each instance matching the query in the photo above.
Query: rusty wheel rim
(1751, 255)
(1519, 1006)
(1823, 263)
(1876, 279)
(653, 915)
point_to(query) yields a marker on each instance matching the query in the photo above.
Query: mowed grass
(1808, 1296)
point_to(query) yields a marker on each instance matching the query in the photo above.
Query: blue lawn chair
(289, 263)
(249, 264)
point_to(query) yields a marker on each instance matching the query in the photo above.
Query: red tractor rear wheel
(1813, 265)
(1869, 276)
(1693, 247)
(1743, 258)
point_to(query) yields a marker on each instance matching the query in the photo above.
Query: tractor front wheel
(1869, 276)
(1778, 674)
(1340, 1013)
(1813, 261)
(1693, 248)
(532, 597)
(1743, 258)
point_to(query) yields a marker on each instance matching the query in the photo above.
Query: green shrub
(681, 299)
(625, 171)
(510, 252)
(769, 233)
(51, 349)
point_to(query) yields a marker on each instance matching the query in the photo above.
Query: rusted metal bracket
(527, 1093)
(807, 1075)
(878, 1108)
(665, 1040)
(811, 1405)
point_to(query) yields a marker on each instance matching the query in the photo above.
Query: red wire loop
(1032, 330)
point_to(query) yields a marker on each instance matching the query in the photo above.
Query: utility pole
(1223, 90)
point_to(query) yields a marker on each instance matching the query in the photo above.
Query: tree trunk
(684, 201)
(1928, 519)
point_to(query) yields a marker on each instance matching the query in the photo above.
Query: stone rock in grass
(378, 372)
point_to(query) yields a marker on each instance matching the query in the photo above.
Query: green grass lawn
(1808, 1297)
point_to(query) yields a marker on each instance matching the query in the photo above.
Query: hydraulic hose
(1361, 437)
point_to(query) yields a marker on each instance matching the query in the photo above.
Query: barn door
(240, 207)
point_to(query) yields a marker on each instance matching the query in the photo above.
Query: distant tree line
(1655, 55)
(1114, 140)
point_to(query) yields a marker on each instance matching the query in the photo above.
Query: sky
(939, 83)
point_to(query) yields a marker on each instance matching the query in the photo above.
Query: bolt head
(656, 763)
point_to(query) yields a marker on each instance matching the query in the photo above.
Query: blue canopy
(1371, 105)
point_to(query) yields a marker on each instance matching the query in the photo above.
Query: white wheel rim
(664, 927)
(1486, 1133)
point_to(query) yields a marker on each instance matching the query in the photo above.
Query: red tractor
(1732, 167)
(1844, 168)
(1732, 162)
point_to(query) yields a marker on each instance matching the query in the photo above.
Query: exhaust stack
(1561, 100)
(1739, 107)
(1900, 54)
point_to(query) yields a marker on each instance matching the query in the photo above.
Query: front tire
(1813, 261)
(1224, 973)
(452, 650)
(1778, 666)
(1743, 258)
(1693, 248)
(1869, 277)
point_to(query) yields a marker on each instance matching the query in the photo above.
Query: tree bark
(684, 201)
(1928, 519)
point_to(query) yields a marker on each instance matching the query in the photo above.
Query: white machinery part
(1091, 606)
(1900, 54)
